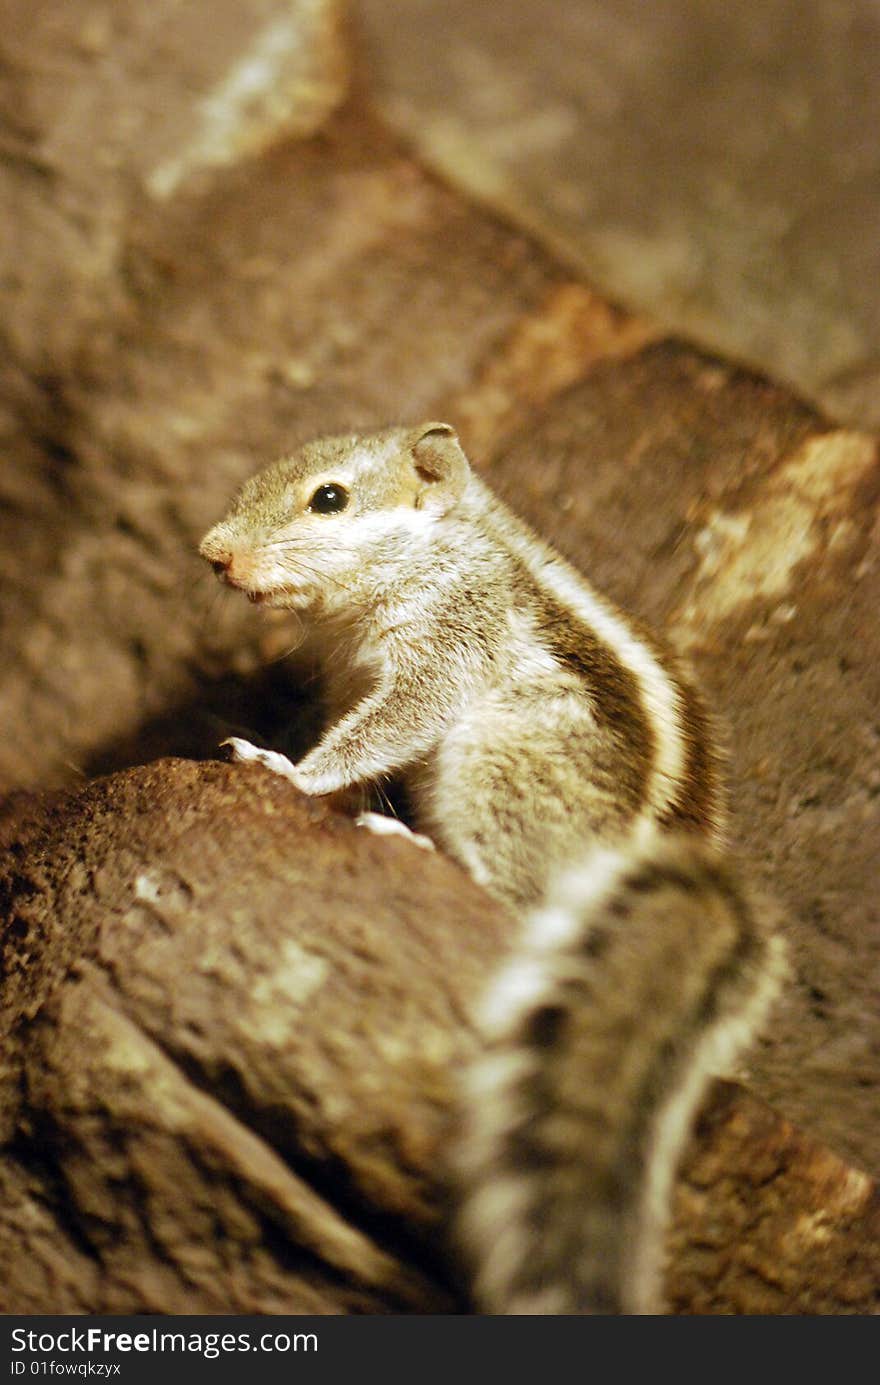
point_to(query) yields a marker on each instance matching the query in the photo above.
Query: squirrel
(549, 745)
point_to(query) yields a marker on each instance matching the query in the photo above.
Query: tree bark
(232, 1023)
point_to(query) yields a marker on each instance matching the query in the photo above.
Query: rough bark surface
(230, 1024)
(261, 1136)
(768, 1221)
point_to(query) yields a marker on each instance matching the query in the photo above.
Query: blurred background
(715, 165)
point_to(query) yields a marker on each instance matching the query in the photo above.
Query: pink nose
(231, 564)
(233, 568)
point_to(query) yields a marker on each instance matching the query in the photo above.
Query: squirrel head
(326, 519)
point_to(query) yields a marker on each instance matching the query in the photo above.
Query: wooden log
(231, 1028)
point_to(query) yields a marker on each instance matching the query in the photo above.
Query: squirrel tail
(646, 972)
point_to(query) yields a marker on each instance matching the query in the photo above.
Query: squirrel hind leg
(647, 972)
(514, 816)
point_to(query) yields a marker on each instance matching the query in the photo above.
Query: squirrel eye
(329, 499)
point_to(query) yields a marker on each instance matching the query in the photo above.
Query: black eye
(329, 499)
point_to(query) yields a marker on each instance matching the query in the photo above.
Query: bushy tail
(644, 975)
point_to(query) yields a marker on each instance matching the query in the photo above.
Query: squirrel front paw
(310, 780)
(243, 751)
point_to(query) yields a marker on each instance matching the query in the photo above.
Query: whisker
(299, 637)
(295, 564)
(316, 572)
(383, 797)
(211, 601)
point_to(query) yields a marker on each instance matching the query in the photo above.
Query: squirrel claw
(242, 751)
(384, 826)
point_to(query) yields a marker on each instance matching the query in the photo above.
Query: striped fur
(645, 974)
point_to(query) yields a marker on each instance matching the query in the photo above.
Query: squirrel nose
(230, 567)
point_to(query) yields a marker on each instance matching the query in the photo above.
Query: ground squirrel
(547, 744)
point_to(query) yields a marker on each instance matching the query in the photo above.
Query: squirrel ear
(440, 465)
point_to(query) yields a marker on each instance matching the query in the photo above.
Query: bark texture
(261, 1135)
(231, 1028)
